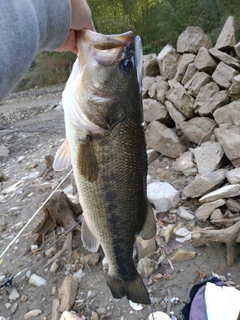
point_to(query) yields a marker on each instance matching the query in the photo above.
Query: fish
(105, 144)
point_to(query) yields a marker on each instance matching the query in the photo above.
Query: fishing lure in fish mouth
(106, 146)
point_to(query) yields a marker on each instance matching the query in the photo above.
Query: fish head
(106, 73)
(110, 59)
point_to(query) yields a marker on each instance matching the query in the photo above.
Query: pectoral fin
(149, 227)
(88, 239)
(62, 159)
(87, 163)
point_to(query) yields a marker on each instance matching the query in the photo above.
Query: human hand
(81, 19)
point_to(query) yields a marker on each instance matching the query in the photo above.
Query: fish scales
(111, 182)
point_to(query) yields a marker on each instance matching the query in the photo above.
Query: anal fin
(149, 227)
(88, 239)
(87, 163)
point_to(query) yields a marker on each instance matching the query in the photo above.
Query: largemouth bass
(105, 144)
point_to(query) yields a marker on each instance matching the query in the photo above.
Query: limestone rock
(167, 233)
(146, 267)
(184, 164)
(185, 214)
(167, 62)
(67, 293)
(218, 100)
(206, 209)
(55, 305)
(198, 129)
(229, 141)
(233, 205)
(161, 138)
(181, 100)
(92, 259)
(192, 39)
(146, 84)
(224, 57)
(182, 235)
(37, 280)
(14, 295)
(161, 88)
(204, 61)
(205, 183)
(208, 156)
(66, 315)
(233, 176)
(154, 110)
(175, 114)
(183, 255)
(32, 314)
(152, 155)
(159, 315)
(162, 195)
(226, 39)
(150, 65)
(236, 49)
(145, 248)
(224, 192)
(216, 215)
(199, 80)
(183, 63)
(228, 116)
(223, 75)
(191, 70)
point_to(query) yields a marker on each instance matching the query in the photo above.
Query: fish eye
(126, 65)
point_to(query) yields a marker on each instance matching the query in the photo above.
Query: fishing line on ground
(8, 281)
(30, 220)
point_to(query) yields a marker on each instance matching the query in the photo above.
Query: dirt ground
(29, 141)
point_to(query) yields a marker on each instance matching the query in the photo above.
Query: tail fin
(134, 289)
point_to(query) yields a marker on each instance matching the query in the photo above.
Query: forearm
(28, 27)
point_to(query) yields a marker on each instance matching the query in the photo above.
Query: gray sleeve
(28, 27)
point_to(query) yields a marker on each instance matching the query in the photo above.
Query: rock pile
(191, 103)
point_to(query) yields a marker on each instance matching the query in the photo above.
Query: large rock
(226, 39)
(223, 75)
(150, 65)
(212, 101)
(192, 39)
(224, 57)
(161, 87)
(162, 195)
(146, 83)
(205, 183)
(228, 116)
(68, 292)
(204, 61)
(208, 156)
(234, 89)
(175, 114)
(154, 110)
(206, 209)
(181, 100)
(198, 129)
(161, 138)
(199, 80)
(224, 192)
(167, 62)
(233, 176)
(229, 140)
(190, 72)
(182, 66)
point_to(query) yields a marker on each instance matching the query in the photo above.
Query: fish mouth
(101, 41)
(104, 49)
